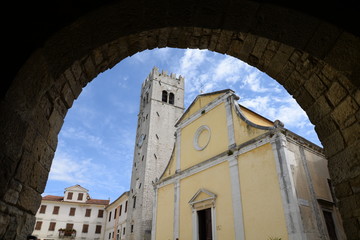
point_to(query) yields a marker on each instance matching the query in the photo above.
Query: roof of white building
(89, 201)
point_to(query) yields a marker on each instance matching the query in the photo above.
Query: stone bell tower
(161, 105)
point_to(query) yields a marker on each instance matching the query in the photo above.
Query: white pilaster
(153, 227)
(287, 188)
(176, 208)
(236, 199)
(230, 122)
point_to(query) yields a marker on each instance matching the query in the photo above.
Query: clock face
(141, 140)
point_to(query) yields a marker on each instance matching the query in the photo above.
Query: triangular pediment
(202, 195)
(76, 188)
(201, 101)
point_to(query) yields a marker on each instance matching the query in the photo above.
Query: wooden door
(205, 224)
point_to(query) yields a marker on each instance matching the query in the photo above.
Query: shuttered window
(100, 213)
(52, 226)
(85, 228)
(70, 195)
(98, 229)
(88, 213)
(69, 226)
(80, 196)
(72, 211)
(42, 209)
(56, 210)
(38, 225)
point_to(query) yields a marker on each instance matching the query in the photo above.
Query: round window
(202, 137)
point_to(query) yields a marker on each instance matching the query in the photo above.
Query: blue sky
(96, 142)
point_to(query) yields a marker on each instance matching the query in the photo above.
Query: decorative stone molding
(200, 131)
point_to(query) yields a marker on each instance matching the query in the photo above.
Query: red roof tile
(89, 201)
(53, 198)
(98, 201)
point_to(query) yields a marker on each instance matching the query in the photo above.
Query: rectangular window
(126, 206)
(124, 231)
(88, 213)
(42, 209)
(52, 226)
(38, 225)
(100, 213)
(134, 204)
(120, 210)
(72, 211)
(109, 235)
(115, 213)
(109, 216)
(70, 195)
(85, 228)
(132, 228)
(80, 196)
(69, 226)
(56, 210)
(98, 229)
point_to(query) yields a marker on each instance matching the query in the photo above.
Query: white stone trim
(230, 123)
(287, 188)
(195, 224)
(203, 166)
(315, 207)
(153, 228)
(207, 108)
(198, 132)
(178, 150)
(176, 209)
(236, 199)
(213, 222)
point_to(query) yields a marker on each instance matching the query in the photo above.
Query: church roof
(186, 113)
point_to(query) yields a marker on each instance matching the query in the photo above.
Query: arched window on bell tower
(164, 96)
(171, 98)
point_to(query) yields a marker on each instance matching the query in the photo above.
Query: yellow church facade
(234, 174)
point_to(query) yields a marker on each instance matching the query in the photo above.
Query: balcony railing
(67, 233)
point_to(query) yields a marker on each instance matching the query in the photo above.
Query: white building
(116, 218)
(74, 215)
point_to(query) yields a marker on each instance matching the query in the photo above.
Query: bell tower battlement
(163, 87)
(161, 105)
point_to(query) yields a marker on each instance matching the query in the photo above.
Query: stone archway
(316, 62)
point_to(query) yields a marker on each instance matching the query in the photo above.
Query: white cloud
(191, 60)
(81, 134)
(87, 172)
(260, 103)
(230, 70)
(66, 169)
(284, 109)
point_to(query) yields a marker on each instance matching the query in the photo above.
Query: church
(234, 174)
(215, 171)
